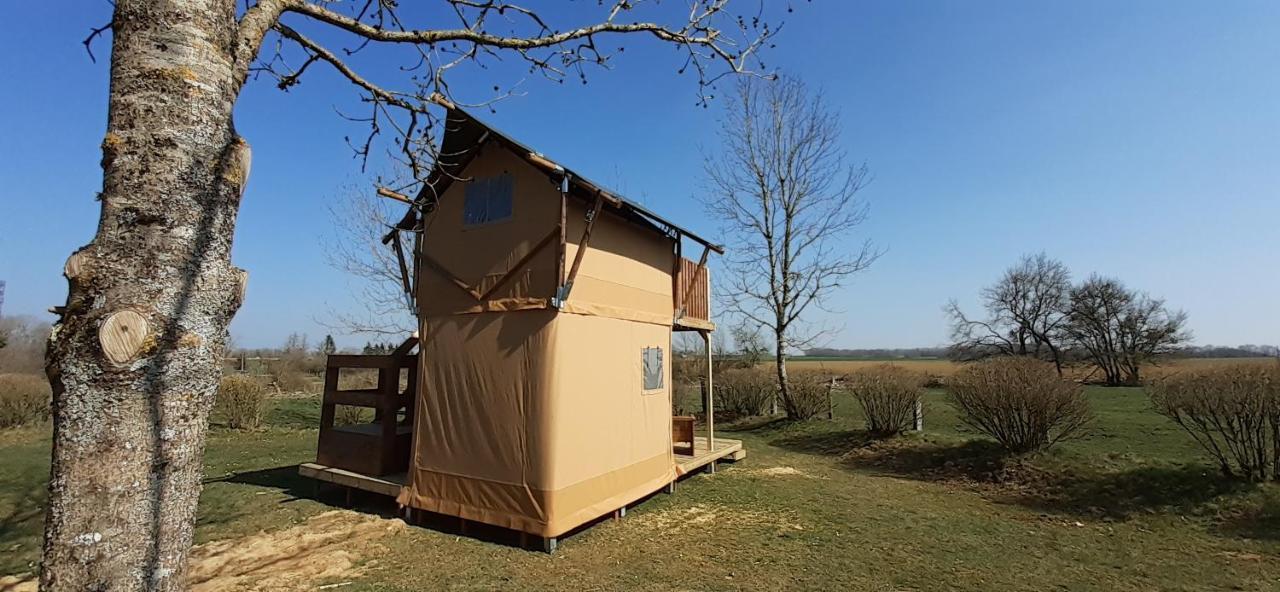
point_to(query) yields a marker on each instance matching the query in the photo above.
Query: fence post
(831, 406)
(919, 419)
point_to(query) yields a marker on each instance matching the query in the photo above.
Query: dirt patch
(774, 472)
(704, 516)
(334, 545)
(18, 584)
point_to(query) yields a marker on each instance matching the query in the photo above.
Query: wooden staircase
(383, 446)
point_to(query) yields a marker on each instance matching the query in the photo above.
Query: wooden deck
(726, 449)
(386, 485)
(389, 485)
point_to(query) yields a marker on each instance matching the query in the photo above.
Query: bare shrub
(745, 392)
(1019, 401)
(686, 398)
(290, 380)
(1232, 411)
(357, 378)
(351, 415)
(810, 393)
(24, 399)
(688, 368)
(241, 402)
(933, 381)
(23, 341)
(888, 396)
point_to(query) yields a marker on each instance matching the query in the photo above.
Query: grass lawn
(814, 506)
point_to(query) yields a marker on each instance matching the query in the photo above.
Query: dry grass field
(943, 368)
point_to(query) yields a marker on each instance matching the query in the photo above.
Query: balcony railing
(693, 295)
(382, 446)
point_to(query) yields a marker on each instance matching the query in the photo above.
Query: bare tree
(1122, 330)
(787, 195)
(1026, 314)
(359, 221)
(135, 359)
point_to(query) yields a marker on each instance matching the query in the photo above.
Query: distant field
(938, 367)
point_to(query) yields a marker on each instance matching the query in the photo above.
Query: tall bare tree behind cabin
(1026, 314)
(359, 220)
(787, 196)
(135, 358)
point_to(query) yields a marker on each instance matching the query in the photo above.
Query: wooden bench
(682, 431)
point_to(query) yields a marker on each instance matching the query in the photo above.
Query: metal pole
(709, 405)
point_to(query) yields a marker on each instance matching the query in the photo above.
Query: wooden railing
(693, 291)
(383, 446)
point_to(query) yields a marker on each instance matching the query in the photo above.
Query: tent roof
(464, 133)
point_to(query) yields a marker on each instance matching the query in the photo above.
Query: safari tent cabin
(547, 304)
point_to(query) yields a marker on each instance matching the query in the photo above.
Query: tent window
(652, 368)
(488, 200)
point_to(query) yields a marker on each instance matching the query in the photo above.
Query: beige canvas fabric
(510, 431)
(529, 417)
(479, 256)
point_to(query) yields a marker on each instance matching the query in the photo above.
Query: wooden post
(708, 405)
(831, 406)
(919, 419)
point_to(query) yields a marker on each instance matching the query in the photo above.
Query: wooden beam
(676, 296)
(400, 197)
(582, 249)
(709, 407)
(524, 261)
(406, 283)
(404, 348)
(446, 274)
(560, 247)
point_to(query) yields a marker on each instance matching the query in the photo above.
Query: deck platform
(385, 485)
(389, 485)
(702, 456)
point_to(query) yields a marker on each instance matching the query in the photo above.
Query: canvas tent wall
(530, 417)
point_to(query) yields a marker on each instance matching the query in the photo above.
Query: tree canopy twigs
(714, 42)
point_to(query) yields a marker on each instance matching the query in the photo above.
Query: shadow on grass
(751, 423)
(1186, 489)
(1257, 520)
(288, 480)
(1036, 482)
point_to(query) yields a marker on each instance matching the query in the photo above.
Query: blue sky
(1136, 139)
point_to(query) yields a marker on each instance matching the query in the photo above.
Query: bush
(292, 381)
(810, 394)
(1019, 401)
(24, 399)
(1232, 411)
(686, 398)
(241, 402)
(888, 396)
(351, 415)
(745, 392)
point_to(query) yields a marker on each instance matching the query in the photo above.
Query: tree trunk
(135, 360)
(780, 364)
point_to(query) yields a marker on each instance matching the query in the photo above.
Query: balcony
(693, 297)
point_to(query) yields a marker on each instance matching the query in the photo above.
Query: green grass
(1133, 506)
